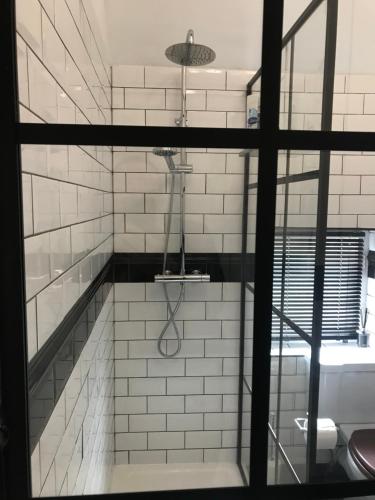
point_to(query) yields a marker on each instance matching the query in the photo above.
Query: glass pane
(354, 71)
(134, 351)
(245, 438)
(302, 76)
(345, 401)
(293, 285)
(346, 380)
(285, 89)
(307, 95)
(288, 410)
(96, 62)
(68, 229)
(251, 164)
(295, 241)
(355, 68)
(253, 103)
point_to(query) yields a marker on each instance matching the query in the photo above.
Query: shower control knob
(196, 271)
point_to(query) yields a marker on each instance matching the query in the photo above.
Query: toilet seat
(361, 447)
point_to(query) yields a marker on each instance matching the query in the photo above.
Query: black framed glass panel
(138, 344)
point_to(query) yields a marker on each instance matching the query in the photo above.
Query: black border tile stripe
(142, 267)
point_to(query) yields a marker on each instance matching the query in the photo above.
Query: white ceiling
(139, 31)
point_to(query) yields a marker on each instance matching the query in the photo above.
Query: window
(342, 283)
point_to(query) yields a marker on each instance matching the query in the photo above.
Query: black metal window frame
(14, 448)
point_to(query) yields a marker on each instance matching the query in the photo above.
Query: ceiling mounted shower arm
(182, 120)
(190, 36)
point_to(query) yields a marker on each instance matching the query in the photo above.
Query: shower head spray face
(190, 53)
(165, 152)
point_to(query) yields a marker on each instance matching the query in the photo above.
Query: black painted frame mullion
(265, 229)
(192, 137)
(290, 179)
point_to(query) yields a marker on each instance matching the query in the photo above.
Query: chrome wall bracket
(182, 169)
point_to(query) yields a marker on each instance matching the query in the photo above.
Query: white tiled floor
(158, 477)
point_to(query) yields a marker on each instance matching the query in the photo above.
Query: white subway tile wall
(69, 235)
(178, 403)
(75, 452)
(68, 227)
(62, 76)
(67, 190)
(353, 109)
(215, 187)
(150, 96)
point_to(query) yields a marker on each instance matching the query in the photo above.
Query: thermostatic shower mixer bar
(194, 277)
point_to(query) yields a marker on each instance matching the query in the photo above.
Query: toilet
(358, 457)
(347, 396)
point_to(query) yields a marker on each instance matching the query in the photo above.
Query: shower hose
(171, 311)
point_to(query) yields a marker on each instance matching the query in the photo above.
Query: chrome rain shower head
(190, 53)
(167, 154)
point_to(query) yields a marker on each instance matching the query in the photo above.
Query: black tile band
(142, 267)
(51, 367)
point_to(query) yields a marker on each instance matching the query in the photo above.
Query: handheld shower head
(167, 154)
